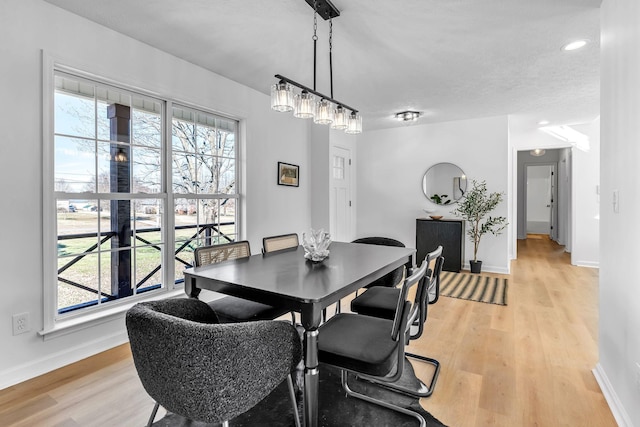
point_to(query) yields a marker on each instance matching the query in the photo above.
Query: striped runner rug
(474, 287)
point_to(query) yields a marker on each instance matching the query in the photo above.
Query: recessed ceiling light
(543, 122)
(574, 45)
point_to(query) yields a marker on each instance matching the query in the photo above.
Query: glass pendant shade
(354, 124)
(304, 107)
(282, 97)
(324, 113)
(339, 118)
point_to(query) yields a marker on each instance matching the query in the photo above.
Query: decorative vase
(316, 245)
(476, 266)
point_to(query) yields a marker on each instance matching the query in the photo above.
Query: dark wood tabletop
(285, 278)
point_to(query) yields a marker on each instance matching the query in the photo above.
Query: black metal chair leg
(292, 395)
(153, 414)
(434, 377)
(419, 389)
(382, 403)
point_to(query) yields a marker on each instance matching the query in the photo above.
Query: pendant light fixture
(310, 103)
(339, 118)
(324, 113)
(304, 105)
(282, 97)
(354, 123)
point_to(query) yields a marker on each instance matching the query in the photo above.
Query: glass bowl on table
(316, 245)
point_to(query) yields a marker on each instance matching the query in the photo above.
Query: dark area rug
(336, 409)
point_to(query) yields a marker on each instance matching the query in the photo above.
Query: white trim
(169, 269)
(589, 264)
(90, 319)
(488, 269)
(618, 411)
(49, 259)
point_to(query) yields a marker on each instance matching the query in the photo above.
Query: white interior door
(540, 198)
(341, 194)
(553, 233)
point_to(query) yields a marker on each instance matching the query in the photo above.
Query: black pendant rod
(303, 87)
(331, 73)
(330, 55)
(315, 42)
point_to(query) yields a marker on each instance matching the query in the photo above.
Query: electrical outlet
(21, 323)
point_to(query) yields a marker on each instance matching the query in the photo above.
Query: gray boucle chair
(205, 371)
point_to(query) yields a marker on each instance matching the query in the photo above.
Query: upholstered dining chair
(207, 371)
(371, 347)
(380, 302)
(230, 309)
(279, 243)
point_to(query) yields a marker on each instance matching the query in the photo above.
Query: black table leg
(311, 320)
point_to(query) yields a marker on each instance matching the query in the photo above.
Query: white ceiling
(450, 59)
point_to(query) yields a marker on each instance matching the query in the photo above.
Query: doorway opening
(544, 196)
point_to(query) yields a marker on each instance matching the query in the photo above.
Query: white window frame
(55, 325)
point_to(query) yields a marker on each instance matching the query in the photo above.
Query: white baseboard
(590, 264)
(618, 411)
(488, 269)
(50, 362)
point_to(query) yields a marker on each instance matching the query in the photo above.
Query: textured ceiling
(450, 59)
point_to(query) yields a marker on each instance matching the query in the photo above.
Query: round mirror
(444, 183)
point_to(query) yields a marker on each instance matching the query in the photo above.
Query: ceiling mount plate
(326, 9)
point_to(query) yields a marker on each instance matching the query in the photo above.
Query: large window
(112, 153)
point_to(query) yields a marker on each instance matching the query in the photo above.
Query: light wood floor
(526, 364)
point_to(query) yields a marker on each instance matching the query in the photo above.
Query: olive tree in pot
(474, 206)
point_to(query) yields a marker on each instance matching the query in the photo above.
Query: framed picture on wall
(288, 174)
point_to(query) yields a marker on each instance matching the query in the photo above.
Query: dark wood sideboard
(449, 233)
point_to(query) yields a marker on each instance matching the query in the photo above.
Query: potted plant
(474, 206)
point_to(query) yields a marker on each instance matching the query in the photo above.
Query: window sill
(69, 326)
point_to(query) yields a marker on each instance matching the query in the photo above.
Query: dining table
(287, 279)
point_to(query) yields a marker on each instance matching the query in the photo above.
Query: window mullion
(169, 233)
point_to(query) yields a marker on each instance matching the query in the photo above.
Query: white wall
(619, 340)
(26, 28)
(565, 169)
(585, 247)
(392, 162)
